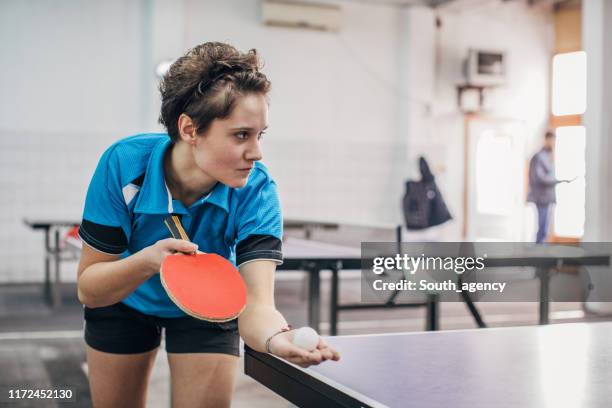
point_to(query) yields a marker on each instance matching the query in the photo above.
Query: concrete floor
(44, 347)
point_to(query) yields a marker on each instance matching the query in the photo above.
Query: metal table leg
(471, 306)
(333, 315)
(432, 312)
(57, 300)
(47, 283)
(544, 275)
(314, 297)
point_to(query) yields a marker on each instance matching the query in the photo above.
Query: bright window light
(569, 84)
(494, 174)
(570, 163)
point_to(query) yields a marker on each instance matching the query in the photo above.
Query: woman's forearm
(106, 283)
(257, 323)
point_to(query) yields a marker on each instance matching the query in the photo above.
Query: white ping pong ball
(306, 338)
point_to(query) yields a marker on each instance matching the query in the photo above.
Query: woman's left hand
(282, 346)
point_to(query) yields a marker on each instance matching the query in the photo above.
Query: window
(569, 84)
(568, 104)
(570, 164)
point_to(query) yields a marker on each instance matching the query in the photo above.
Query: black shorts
(119, 329)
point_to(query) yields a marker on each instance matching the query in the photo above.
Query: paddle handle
(173, 222)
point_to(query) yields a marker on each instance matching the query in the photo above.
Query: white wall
(71, 84)
(349, 111)
(332, 118)
(597, 42)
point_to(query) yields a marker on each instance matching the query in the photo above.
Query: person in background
(542, 182)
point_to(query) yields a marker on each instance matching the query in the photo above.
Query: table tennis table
(544, 261)
(313, 257)
(54, 254)
(564, 365)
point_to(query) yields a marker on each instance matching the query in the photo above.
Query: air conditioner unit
(486, 67)
(324, 17)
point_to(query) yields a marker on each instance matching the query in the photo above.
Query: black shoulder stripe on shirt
(111, 240)
(259, 247)
(138, 180)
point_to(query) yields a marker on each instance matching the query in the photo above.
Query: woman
(205, 169)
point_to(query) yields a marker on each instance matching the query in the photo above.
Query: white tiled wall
(42, 176)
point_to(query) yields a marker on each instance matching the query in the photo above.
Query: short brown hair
(205, 84)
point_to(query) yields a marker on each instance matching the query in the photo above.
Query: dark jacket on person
(542, 180)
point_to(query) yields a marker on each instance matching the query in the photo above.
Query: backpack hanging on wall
(423, 204)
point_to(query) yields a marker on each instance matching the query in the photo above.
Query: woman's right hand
(155, 254)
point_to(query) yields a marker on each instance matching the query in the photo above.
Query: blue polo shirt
(128, 200)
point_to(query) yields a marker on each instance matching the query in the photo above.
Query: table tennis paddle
(205, 286)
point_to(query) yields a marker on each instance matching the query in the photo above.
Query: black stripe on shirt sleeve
(259, 247)
(110, 240)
